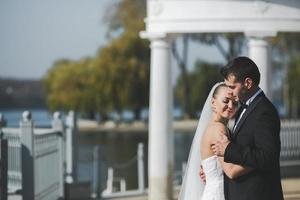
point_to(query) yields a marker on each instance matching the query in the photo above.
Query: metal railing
(48, 152)
(14, 173)
(38, 158)
(120, 191)
(290, 142)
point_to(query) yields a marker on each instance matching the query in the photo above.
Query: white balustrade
(36, 158)
(290, 142)
(14, 175)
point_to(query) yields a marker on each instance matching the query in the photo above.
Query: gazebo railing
(14, 171)
(35, 159)
(290, 142)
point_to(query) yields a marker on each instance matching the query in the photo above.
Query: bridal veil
(192, 186)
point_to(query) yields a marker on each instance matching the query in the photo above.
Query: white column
(259, 53)
(27, 156)
(140, 166)
(58, 125)
(160, 119)
(71, 148)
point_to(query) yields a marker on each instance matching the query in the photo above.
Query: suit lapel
(247, 112)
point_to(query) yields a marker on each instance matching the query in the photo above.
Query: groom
(254, 140)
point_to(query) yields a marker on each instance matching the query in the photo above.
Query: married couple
(242, 163)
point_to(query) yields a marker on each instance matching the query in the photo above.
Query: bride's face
(224, 103)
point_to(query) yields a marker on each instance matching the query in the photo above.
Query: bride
(220, 106)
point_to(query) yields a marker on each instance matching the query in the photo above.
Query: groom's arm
(266, 148)
(233, 171)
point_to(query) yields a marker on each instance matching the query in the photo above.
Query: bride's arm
(232, 170)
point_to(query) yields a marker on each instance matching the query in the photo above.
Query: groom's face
(236, 88)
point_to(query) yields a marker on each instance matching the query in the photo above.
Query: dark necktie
(243, 106)
(239, 112)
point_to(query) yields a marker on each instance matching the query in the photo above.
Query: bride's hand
(202, 174)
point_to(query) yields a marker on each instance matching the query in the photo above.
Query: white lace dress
(214, 187)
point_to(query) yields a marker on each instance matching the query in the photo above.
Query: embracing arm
(265, 152)
(230, 169)
(233, 171)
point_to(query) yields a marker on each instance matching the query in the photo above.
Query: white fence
(290, 142)
(37, 158)
(14, 173)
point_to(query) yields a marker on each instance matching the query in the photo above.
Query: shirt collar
(253, 97)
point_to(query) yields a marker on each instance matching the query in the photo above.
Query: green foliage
(285, 49)
(68, 86)
(287, 44)
(293, 93)
(202, 79)
(116, 79)
(127, 16)
(124, 65)
(234, 41)
(293, 77)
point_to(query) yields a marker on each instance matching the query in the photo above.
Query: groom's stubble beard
(244, 94)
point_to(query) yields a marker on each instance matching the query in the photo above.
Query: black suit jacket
(256, 143)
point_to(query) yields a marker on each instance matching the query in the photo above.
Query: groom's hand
(219, 146)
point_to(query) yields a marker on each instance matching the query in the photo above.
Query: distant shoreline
(91, 126)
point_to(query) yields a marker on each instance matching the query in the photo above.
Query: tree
(202, 78)
(229, 45)
(126, 64)
(293, 82)
(116, 79)
(129, 55)
(126, 16)
(68, 85)
(182, 63)
(285, 50)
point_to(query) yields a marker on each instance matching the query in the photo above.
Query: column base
(159, 188)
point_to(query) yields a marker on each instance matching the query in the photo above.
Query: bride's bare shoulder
(216, 128)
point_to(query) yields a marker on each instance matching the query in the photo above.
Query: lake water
(41, 118)
(116, 149)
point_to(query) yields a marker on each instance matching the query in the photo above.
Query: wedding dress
(192, 187)
(214, 188)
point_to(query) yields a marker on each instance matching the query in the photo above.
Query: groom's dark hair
(242, 68)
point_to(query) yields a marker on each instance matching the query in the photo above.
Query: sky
(34, 34)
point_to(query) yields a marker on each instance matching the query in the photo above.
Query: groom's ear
(248, 83)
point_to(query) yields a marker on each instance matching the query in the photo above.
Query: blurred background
(87, 56)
